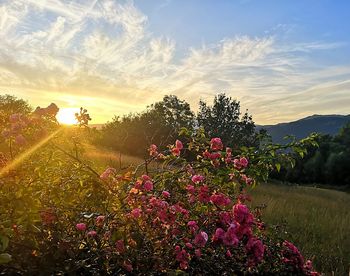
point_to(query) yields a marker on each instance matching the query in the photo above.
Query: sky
(283, 60)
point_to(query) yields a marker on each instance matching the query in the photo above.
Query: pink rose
(81, 226)
(216, 144)
(197, 178)
(136, 213)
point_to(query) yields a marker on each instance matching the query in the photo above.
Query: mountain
(324, 124)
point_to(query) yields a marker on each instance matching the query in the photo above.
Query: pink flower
(189, 245)
(215, 155)
(240, 163)
(128, 266)
(242, 213)
(166, 194)
(247, 180)
(256, 249)
(81, 226)
(220, 199)
(136, 213)
(179, 145)
(230, 238)
(192, 225)
(206, 154)
(201, 239)
(216, 144)
(191, 189)
(100, 220)
(145, 177)
(148, 185)
(182, 256)
(198, 253)
(175, 151)
(20, 140)
(120, 246)
(228, 254)
(219, 235)
(107, 173)
(153, 150)
(244, 162)
(204, 196)
(197, 178)
(92, 233)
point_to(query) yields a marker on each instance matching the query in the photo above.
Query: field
(317, 220)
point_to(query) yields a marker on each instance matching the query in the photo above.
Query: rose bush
(188, 213)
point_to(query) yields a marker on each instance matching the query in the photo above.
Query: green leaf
(5, 258)
(278, 166)
(4, 240)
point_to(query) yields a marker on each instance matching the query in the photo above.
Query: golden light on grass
(66, 116)
(22, 157)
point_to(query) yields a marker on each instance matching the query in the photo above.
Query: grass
(317, 221)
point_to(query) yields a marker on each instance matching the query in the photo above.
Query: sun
(66, 116)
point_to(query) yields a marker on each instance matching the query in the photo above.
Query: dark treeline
(161, 122)
(328, 164)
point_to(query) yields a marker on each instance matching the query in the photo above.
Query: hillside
(324, 124)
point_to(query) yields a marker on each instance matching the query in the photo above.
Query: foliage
(159, 124)
(59, 216)
(327, 164)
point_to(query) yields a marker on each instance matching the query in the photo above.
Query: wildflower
(204, 196)
(81, 226)
(198, 253)
(20, 140)
(216, 144)
(166, 194)
(92, 233)
(107, 173)
(153, 150)
(179, 145)
(197, 178)
(148, 185)
(220, 199)
(120, 246)
(242, 213)
(136, 213)
(128, 266)
(192, 225)
(182, 256)
(219, 234)
(255, 248)
(230, 238)
(201, 239)
(175, 151)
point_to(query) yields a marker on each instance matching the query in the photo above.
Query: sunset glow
(66, 116)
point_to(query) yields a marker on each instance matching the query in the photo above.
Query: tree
(222, 119)
(10, 105)
(159, 124)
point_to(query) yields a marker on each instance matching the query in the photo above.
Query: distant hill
(325, 124)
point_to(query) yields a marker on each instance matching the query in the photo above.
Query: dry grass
(317, 220)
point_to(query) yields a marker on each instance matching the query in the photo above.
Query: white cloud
(100, 54)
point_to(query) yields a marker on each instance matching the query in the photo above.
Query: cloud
(100, 54)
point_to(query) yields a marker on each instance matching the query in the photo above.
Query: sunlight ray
(18, 160)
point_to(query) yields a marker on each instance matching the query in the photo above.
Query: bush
(181, 215)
